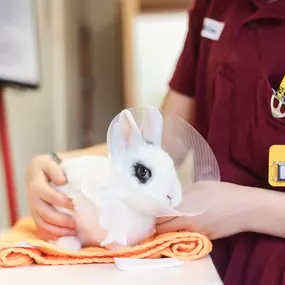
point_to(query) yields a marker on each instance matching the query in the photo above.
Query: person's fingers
(51, 216)
(171, 226)
(51, 196)
(44, 235)
(164, 219)
(53, 172)
(51, 229)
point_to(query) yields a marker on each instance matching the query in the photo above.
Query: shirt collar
(274, 10)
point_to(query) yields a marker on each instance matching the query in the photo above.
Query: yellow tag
(280, 93)
(276, 173)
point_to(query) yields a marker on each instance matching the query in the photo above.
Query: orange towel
(179, 245)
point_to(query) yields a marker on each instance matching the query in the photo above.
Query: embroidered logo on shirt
(278, 97)
(212, 29)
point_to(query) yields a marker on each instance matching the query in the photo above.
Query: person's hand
(230, 213)
(42, 198)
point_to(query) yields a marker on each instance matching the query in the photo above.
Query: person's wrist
(249, 207)
(269, 215)
(258, 213)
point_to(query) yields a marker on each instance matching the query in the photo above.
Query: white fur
(110, 176)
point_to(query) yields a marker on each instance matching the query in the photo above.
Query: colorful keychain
(279, 95)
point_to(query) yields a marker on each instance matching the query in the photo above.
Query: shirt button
(252, 24)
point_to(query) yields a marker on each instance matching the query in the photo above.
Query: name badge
(212, 29)
(278, 97)
(276, 173)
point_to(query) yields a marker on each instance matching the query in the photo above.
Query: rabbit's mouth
(174, 201)
(169, 199)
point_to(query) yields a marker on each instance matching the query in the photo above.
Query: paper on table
(133, 263)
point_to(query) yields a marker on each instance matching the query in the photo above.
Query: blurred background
(96, 57)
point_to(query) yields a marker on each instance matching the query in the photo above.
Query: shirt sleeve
(183, 79)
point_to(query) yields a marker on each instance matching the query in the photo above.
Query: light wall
(44, 120)
(158, 39)
(49, 119)
(104, 19)
(29, 120)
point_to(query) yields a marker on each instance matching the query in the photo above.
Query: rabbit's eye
(142, 173)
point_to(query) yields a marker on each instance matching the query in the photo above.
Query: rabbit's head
(139, 159)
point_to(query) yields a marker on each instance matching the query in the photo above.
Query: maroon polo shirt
(232, 79)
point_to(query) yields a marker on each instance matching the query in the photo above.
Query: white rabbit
(136, 162)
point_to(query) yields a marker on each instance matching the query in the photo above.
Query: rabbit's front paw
(68, 243)
(114, 247)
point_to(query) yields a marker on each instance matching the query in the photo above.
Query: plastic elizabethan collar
(193, 159)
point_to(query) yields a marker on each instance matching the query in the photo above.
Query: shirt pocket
(221, 119)
(251, 140)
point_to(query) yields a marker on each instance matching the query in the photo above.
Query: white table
(201, 272)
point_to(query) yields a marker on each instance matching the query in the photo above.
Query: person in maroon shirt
(232, 61)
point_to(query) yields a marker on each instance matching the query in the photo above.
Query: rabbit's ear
(130, 135)
(125, 135)
(151, 127)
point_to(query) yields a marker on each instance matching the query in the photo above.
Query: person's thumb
(171, 226)
(54, 172)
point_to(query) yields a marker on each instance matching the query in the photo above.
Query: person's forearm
(100, 149)
(181, 105)
(268, 214)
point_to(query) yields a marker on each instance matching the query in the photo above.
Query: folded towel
(179, 245)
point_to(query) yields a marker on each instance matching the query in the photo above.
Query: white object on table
(138, 263)
(199, 272)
